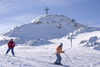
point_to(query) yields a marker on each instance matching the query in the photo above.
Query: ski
(60, 64)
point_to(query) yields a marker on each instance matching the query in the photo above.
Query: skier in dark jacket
(58, 51)
(11, 45)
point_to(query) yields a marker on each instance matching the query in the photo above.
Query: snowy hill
(86, 37)
(43, 28)
(39, 56)
(50, 31)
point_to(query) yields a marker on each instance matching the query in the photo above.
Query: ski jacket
(59, 50)
(11, 44)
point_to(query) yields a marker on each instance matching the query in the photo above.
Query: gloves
(59, 50)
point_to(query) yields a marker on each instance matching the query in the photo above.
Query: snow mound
(44, 27)
(86, 36)
(59, 19)
(93, 42)
(82, 30)
(5, 40)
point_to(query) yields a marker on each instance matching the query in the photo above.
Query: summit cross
(47, 10)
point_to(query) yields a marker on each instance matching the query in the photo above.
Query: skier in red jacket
(11, 45)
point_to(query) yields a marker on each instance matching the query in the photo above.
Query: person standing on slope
(58, 51)
(11, 46)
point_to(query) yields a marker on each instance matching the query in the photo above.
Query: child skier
(11, 45)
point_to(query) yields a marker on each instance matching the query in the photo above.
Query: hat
(61, 44)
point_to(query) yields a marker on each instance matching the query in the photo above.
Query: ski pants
(58, 58)
(11, 51)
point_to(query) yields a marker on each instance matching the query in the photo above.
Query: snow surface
(39, 56)
(44, 28)
(37, 41)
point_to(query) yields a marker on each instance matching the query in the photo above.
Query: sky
(18, 12)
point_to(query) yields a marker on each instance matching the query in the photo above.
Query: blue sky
(17, 12)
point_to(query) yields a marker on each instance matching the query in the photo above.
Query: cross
(47, 10)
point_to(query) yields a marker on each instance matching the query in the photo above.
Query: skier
(58, 51)
(11, 45)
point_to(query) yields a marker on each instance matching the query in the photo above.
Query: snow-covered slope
(39, 56)
(86, 37)
(82, 53)
(44, 28)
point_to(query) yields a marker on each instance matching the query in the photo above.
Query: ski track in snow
(39, 56)
(25, 57)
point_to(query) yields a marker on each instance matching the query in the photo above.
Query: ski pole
(55, 53)
(68, 57)
(52, 54)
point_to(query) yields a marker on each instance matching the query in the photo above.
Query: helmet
(61, 44)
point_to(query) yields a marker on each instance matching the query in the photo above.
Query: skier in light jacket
(58, 51)
(11, 46)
